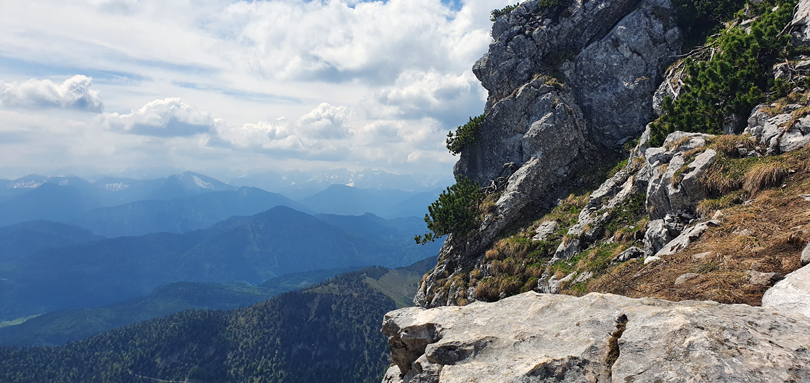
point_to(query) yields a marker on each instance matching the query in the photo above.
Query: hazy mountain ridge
(181, 215)
(27, 238)
(278, 241)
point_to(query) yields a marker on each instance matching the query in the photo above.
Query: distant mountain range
(93, 272)
(180, 215)
(64, 199)
(180, 203)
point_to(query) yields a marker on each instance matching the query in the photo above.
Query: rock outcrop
(784, 131)
(608, 56)
(596, 338)
(791, 294)
(565, 83)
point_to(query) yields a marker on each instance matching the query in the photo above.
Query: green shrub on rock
(496, 13)
(720, 92)
(454, 212)
(464, 135)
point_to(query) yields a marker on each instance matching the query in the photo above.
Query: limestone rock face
(539, 120)
(791, 294)
(609, 54)
(596, 338)
(565, 83)
(548, 142)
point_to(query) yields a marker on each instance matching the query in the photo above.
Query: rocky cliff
(700, 218)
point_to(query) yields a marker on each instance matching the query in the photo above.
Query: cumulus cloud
(73, 93)
(323, 132)
(417, 94)
(325, 122)
(169, 117)
(343, 41)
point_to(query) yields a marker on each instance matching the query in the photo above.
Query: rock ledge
(596, 338)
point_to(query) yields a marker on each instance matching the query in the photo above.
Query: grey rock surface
(685, 279)
(551, 285)
(805, 259)
(596, 338)
(673, 188)
(801, 23)
(763, 279)
(547, 143)
(689, 235)
(792, 294)
(599, 210)
(611, 52)
(535, 121)
(779, 133)
(545, 230)
(659, 233)
(631, 253)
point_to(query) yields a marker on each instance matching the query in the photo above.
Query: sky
(234, 87)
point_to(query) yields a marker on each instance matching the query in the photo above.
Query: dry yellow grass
(765, 235)
(763, 176)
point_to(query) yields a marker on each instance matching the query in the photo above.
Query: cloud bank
(73, 93)
(169, 117)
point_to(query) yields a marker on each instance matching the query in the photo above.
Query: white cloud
(333, 41)
(324, 122)
(169, 117)
(363, 83)
(73, 93)
(417, 94)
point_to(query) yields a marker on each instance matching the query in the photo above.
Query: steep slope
(529, 236)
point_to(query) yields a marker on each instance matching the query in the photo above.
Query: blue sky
(237, 87)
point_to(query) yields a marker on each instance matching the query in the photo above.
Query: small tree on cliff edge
(454, 212)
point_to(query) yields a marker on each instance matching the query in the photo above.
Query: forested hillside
(326, 333)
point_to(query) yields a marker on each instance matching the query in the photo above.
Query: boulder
(805, 258)
(685, 279)
(631, 253)
(673, 188)
(781, 132)
(762, 279)
(689, 235)
(545, 230)
(659, 233)
(792, 294)
(801, 23)
(535, 337)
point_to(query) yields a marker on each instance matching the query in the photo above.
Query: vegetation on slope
(728, 76)
(766, 221)
(63, 326)
(765, 224)
(329, 332)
